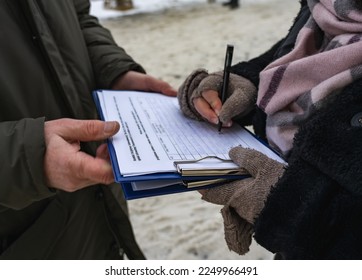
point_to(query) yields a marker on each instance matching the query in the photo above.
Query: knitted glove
(244, 199)
(241, 94)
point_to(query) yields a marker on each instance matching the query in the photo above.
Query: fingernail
(215, 120)
(228, 124)
(109, 127)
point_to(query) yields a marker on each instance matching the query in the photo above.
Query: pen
(225, 81)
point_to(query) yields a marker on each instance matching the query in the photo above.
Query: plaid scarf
(327, 56)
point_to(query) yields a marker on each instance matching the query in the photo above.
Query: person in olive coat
(57, 197)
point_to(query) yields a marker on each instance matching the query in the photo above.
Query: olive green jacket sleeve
(22, 150)
(108, 60)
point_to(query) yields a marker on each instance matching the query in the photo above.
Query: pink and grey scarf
(327, 56)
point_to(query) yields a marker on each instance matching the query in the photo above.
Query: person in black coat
(304, 97)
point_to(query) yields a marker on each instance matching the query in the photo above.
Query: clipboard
(183, 180)
(183, 169)
(177, 177)
(179, 187)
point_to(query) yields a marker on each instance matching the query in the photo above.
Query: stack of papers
(158, 150)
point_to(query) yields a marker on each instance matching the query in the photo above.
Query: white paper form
(154, 133)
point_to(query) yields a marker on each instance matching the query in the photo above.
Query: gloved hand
(241, 96)
(244, 199)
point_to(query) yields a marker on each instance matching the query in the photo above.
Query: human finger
(102, 152)
(249, 159)
(93, 169)
(83, 130)
(204, 109)
(239, 103)
(212, 97)
(163, 87)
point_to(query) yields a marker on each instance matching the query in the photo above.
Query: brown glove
(244, 199)
(241, 94)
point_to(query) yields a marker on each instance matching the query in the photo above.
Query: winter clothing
(326, 57)
(54, 55)
(243, 200)
(241, 94)
(312, 211)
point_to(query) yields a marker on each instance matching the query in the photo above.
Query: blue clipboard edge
(111, 150)
(130, 194)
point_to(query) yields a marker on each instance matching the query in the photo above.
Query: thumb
(249, 159)
(238, 103)
(232, 107)
(85, 130)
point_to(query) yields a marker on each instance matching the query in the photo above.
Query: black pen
(225, 81)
